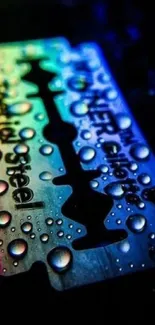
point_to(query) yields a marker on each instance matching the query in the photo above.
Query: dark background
(120, 29)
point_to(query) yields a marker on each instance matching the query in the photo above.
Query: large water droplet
(144, 179)
(44, 238)
(46, 150)
(60, 259)
(123, 121)
(21, 149)
(136, 223)
(85, 134)
(124, 246)
(45, 176)
(87, 154)
(27, 133)
(3, 187)
(17, 248)
(27, 227)
(19, 109)
(79, 109)
(115, 190)
(5, 219)
(140, 151)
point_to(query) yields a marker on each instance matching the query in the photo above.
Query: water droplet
(3, 187)
(140, 151)
(32, 236)
(60, 233)
(87, 154)
(29, 217)
(5, 219)
(78, 144)
(104, 77)
(118, 221)
(136, 223)
(119, 206)
(60, 259)
(22, 160)
(21, 149)
(4, 270)
(117, 260)
(112, 214)
(19, 109)
(79, 109)
(124, 246)
(152, 235)
(143, 265)
(79, 230)
(70, 226)
(15, 263)
(111, 94)
(10, 171)
(59, 222)
(94, 184)
(39, 117)
(128, 209)
(45, 176)
(131, 265)
(98, 145)
(44, 238)
(86, 135)
(120, 269)
(46, 150)
(144, 179)
(61, 169)
(26, 227)
(115, 190)
(13, 229)
(104, 169)
(141, 205)
(123, 121)
(17, 248)
(49, 221)
(1, 242)
(27, 133)
(69, 237)
(133, 166)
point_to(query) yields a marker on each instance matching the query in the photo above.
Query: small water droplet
(115, 190)
(104, 169)
(140, 151)
(19, 109)
(32, 236)
(60, 259)
(79, 230)
(15, 263)
(10, 171)
(87, 154)
(59, 222)
(3, 187)
(4, 270)
(94, 184)
(131, 265)
(5, 219)
(27, 133)
(46, 150)
(128, 209)
(117, 260)
(111, 94)
(21, 149)
(69, 237)
(98, 145)
(70, 226)
(152, 235)
(13, 229)
(49, 221)
(144, 179)
(124, 246)
(133, 166)
(136, 223)
(45, 176)
(103, 77)
(26, 227)
(143, 265)
(141, 205)
(120, 269)
(86, 135)
(112, 214)
(123, 121)
(60, 234)
(119, 206)
(29, 217)
(39, 117)
(79, 109)
(118, 221)
(44, 238)
(61, 169)
(17, 248)
(1, 242)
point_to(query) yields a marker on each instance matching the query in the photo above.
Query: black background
(91, 20)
